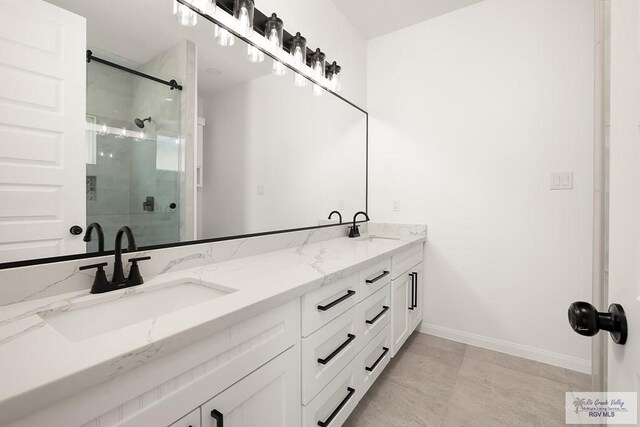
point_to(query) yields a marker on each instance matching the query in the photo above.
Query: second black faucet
(354, 230)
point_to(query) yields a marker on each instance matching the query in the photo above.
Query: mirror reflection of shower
(140, 122)
(134, 170)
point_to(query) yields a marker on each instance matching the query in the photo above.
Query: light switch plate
(562, 181)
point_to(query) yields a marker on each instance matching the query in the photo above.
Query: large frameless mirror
(182, 132)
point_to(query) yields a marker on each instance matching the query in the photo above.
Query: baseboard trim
(519, 350)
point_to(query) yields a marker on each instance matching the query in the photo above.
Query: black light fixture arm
(173, 84)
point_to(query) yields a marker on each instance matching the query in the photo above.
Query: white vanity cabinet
(416, 315)
(307, 362)
(269, 397)
(407, 289)
(342, 357)
(165, 392)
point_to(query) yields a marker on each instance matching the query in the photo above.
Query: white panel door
(400, 311)
(418, 295)
(42, 129)
(269, 397)
(624, 238)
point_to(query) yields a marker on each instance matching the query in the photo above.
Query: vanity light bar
(223, 15)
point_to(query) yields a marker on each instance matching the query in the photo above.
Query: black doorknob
(587, 321)
(76, 230)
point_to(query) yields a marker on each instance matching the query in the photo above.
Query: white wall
(306, 154)
(324, 26)
(470, 114)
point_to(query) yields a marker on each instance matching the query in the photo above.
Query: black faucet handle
(143, 258)
(135, 278)
(100, 283)
(99, 266)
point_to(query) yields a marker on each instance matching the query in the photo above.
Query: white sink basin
(112, 311)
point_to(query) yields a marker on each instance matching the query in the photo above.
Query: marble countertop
(38, 365)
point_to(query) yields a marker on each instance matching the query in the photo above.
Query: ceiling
(137, 31)
(375, 18)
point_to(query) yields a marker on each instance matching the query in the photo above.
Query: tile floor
(437, 382)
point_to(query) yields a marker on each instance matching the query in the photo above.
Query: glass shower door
(134, 155)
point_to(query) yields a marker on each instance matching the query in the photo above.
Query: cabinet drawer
(334, 403)
(374, 278)
(324, 305)
(374, 314)
(191, 420)
(374, 358)
(327, 352)
(403, 261)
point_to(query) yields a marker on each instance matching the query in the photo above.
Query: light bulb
(101, 154)
(299, 80)
(318, 70)
(104, 129)
(335, 83)
(244, 28)
(123, 133)
(297, 56)
(317, 90)
(184, 15)
(254, 54)
(278, 68)
(274, 40)
(224, 37)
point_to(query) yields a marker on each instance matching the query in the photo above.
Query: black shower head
(140, 122)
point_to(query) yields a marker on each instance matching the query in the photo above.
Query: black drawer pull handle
(326, 422)
(374, 280)
(217, 415)
(412, 292)
(335, 352)
(415, 289)
(385, 350)
(379, 315)
(336, 302)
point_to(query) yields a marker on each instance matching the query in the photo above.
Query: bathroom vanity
(284, 338)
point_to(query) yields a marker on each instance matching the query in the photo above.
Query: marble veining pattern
(261, 282)
(46, 280)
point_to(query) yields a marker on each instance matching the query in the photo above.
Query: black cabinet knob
(76, 230)
(587, 321)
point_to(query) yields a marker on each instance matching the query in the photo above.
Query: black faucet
(98, 228)
(338, 213)
(118, 271)
(354, 231)
(101, 284)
